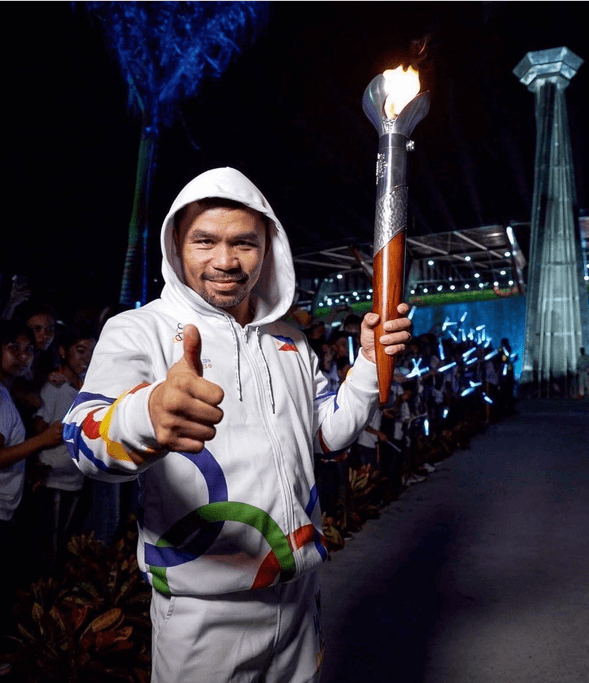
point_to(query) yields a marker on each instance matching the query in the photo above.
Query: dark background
(287, 113)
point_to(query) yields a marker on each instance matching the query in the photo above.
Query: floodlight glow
(507, 254)
(467, 258)
(339, 276)
(467, 286)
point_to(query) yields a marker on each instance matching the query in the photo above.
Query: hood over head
(274, 292)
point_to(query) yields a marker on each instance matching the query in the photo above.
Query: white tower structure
(557, 317)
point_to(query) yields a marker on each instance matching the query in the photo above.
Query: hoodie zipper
(275, 442)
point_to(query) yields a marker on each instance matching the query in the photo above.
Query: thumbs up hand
(184, 409)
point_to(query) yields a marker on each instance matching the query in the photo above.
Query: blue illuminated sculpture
(166, 51)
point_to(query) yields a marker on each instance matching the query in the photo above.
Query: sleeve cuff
(363, 374)
(136, 428)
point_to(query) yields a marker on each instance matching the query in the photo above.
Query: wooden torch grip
(387, 284)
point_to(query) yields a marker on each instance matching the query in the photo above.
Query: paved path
(481, 573)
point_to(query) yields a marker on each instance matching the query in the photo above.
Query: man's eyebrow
(250, 236)
(201, 232)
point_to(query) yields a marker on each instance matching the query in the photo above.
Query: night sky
(288, 114)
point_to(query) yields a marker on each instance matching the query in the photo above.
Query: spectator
(41, 320)
(17, 351)
(369, 439)
(317, 336)
(60, 489)
(351, 325)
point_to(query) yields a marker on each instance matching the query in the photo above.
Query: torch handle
(388, 282)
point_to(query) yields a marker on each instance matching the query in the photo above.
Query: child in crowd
(17, 346)
(60, 489)
(41, 320)
(370, 438)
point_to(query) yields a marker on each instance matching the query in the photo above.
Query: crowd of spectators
(441, 375)
(44, 499)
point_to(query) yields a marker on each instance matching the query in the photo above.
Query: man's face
(222, 251)
(77, 357)
(17, 356)
(341, 347)
(43, 327)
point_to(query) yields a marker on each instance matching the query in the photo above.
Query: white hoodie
(244, 512)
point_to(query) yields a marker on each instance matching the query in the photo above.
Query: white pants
(272, 635)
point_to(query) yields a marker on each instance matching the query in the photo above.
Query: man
(214, 404)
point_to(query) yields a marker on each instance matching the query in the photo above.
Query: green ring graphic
(226, 511)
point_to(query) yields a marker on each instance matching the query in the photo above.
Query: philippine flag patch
(285, 343)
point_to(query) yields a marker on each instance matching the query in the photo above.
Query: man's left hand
(396, 333)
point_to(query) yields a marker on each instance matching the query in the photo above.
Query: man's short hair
(72, 335)
(214, 203)
(11, 330)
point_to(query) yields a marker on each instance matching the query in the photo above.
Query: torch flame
(402, 87)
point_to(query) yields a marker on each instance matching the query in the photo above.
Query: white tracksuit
(243, 514)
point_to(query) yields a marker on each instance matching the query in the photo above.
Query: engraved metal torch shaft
(390, 223)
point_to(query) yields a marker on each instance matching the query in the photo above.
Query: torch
(394, 106)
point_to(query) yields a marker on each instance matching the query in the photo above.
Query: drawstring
(238, 369)
(268, 376)
(236, 358)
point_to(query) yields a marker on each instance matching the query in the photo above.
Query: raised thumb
(192, 348)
